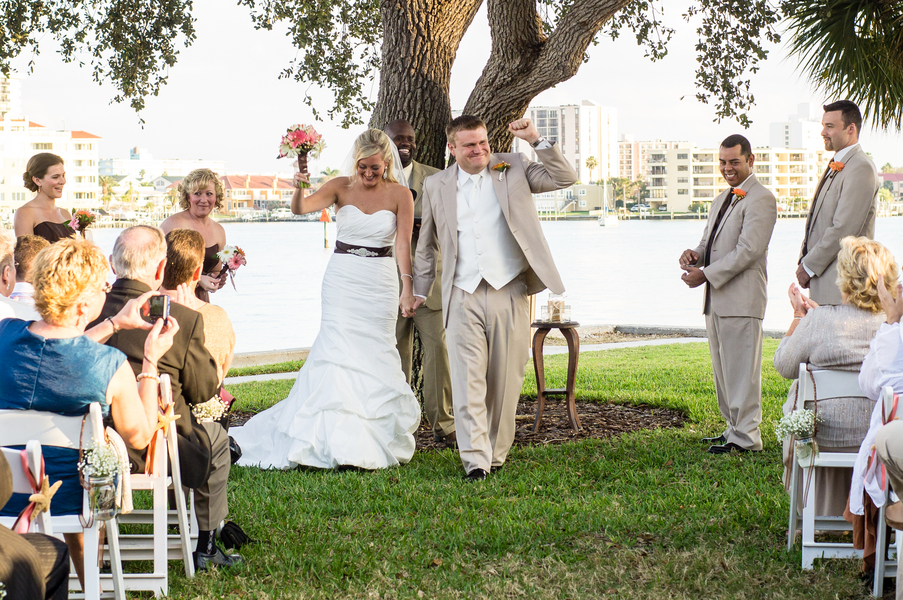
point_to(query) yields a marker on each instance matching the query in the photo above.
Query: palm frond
(852, 49)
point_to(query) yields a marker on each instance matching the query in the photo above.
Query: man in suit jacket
(730, 260)
(480, 213)
(437, 394)
(845, 202)
(139, 260)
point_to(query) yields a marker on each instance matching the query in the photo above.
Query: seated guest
(139, 261)
(32, 565)
(184, 261)
(27, 247)
(883, 366)
(10, 308)
(837, 337)
(51, 365)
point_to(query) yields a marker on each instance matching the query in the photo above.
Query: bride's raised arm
(324, 197)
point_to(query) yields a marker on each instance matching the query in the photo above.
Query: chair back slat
(21, 484)
(828, 384)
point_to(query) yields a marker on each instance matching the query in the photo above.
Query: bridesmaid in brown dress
(45, 174)
(201, 193)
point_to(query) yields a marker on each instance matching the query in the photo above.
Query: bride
(351, 404)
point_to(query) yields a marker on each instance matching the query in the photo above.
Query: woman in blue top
(52, 365)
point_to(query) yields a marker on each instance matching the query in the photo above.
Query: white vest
(486, 247)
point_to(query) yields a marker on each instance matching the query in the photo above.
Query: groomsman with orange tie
(845, 203)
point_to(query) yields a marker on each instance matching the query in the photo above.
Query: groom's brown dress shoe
(727, 448)
(476, 475)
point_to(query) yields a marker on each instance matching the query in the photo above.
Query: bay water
(623, 275)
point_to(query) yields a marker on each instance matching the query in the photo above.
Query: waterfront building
(687, 176)
(143, 165)
(21, 138)
(10, 97)
(798, 131)
(582, 130)
(256, 192)
(894, 183)
(634, 157)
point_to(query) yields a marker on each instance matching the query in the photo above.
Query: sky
(224, 100)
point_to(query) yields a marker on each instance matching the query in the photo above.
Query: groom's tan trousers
(488, 334)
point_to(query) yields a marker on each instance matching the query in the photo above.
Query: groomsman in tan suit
(730, 261)
(437, 394)
(845, 202)
(480, 213)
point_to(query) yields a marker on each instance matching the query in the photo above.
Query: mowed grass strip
(643, 515)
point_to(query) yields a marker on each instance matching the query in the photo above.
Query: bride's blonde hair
(373, 141)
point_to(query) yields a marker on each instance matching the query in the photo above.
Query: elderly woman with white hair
(10, 308)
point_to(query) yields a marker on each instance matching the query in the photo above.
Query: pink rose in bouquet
(232, 258)
(301, 140)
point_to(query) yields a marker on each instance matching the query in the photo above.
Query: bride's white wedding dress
(350, 404)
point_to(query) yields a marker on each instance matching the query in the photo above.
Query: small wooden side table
(569, 331)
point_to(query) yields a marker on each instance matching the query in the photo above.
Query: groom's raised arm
(553, 173)
(427, 246)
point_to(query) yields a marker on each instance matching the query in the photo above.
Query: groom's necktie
(474, 190)
(824, 178)
(708, 247)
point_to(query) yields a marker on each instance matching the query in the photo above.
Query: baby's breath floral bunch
(212, 410)
(799, 423)
(100, 460)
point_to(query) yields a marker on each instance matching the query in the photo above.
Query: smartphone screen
(156, 307)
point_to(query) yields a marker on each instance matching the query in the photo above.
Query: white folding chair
(22, 480)
(887, 562)
(19, 427)
(829, 384)
(159, 546)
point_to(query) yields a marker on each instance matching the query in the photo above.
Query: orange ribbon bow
(164, 418)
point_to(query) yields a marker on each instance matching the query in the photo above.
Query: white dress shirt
(23, 292)
(17, 310)
(486, 247)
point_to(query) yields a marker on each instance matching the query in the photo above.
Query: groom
(480, 214)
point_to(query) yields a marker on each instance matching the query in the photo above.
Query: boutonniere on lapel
(501, 168)
(836, 167)
(738, 195)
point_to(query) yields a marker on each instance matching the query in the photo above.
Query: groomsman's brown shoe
(451, 440)
(893, 515)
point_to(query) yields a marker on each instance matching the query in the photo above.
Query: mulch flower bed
(597, 421)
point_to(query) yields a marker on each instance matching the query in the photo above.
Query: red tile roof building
(256, 191)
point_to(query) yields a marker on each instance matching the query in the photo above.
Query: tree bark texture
(421, 38)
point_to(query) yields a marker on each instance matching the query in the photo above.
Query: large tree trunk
(524, 62)
(420, 40)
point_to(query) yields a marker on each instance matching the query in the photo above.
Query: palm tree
(328, 174)
(852, 50)
(591, 164)
(107, 194)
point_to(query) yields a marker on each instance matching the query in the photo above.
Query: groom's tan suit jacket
(514, 189)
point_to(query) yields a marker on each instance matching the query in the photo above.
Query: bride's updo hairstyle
(37, 167)
(373, 141)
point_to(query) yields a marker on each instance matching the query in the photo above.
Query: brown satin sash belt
(343, 248)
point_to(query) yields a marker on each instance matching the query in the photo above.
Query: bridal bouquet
(301, 140)
(81, 220)
(232, 258)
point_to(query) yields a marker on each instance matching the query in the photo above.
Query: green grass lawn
(644, 515)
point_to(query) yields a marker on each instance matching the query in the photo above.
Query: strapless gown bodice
(355, 227)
